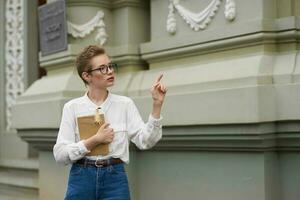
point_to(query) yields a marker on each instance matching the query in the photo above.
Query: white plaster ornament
(198, 21)
(82, 30)
(14, 53)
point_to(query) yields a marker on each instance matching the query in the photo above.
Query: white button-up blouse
(124, 118)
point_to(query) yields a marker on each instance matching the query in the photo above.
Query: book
(88, 126)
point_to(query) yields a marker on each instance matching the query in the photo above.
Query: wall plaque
(52, 27)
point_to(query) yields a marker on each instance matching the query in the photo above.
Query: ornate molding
(97, 22)
(198, 21)
(14, 53)
(230, 10)
(171, 21)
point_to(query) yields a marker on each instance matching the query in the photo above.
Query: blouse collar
(104, 106)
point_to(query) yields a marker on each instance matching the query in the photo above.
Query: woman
(103, 176)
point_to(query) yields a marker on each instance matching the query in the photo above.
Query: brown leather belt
(99, 163)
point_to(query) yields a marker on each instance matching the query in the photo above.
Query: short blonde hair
(83, 59)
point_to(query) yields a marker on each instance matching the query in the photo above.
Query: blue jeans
(97, 183)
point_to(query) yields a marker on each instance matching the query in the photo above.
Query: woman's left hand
(158, 91)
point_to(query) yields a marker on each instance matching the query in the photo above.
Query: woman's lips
(111, 79)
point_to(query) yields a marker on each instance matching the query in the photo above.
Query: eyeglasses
(104, 68)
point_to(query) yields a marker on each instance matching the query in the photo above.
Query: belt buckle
(100, 165)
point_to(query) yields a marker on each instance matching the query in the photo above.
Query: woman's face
(99, 79)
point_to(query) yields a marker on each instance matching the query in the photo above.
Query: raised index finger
(159, 78)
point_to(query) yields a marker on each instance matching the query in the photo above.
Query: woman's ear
(86, 76)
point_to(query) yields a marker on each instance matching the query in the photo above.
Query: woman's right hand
(104, 134)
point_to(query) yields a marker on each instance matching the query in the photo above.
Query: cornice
(98, 3)
(258, 137)
(110, 4)
(261, 38)
(260, 32)
(130, 3)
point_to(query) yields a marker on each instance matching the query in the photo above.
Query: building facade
(231, 116)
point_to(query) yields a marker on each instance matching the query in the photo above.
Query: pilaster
(2, 66)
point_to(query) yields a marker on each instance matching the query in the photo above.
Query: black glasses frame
(104, 68)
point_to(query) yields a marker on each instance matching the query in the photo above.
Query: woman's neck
(97, 96)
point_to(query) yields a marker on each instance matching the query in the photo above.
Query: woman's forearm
(156, 110)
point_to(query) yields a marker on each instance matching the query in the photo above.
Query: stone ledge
(256, 32)
(24, 164)
(123, 55)
(41, 139)
(271, 136)
(130, 3)
(115, 4)
(92, 3)
(153, 53)
(12, 192)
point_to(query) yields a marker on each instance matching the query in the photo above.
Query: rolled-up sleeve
(143, 135)
(67, 150)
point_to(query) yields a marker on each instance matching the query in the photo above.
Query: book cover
(88, 127)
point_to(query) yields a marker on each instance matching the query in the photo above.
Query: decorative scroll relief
(80, 31)
(14, 52)
(230, 10)
(198, 21)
